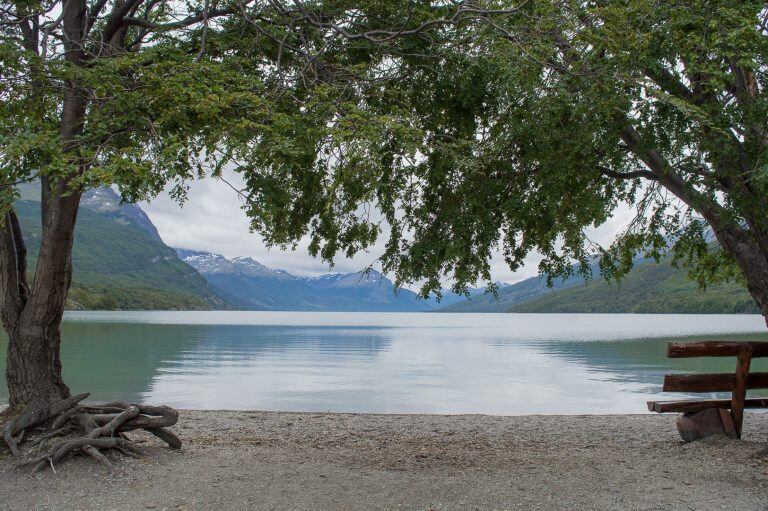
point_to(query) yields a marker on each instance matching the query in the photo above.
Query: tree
(74, 79)
(456, 129)
(135, 94)
(517, 126)
(138, 94)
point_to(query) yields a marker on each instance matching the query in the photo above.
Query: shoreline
(244, 460)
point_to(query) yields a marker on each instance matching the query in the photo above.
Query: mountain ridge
(250, 284)
(649, 288)
(508, 295)
(119, 260)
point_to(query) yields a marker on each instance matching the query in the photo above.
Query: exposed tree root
(15, 429)
(97, 431)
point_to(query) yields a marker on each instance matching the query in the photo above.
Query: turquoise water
(388, 362)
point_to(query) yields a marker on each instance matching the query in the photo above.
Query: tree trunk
(33, 368)
(32, 314)
(751, 258)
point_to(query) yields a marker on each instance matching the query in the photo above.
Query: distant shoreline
(422, 312)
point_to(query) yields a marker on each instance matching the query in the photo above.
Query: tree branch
(116, 18)
(671, 85)
(186, 22)
(746, 91)
(12, 263)
(21, 257)
(463, 12)
(627, 175)
(669, 178)
(93, 13)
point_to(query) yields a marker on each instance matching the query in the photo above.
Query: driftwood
(92, 430)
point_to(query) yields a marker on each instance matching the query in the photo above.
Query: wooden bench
(737, 383)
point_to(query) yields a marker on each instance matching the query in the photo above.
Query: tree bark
(33, 369)
(752, 260)
(32, 314)
(32, 317)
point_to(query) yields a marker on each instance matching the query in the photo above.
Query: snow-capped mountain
(206, 262)
(251, 285)
(106, 201)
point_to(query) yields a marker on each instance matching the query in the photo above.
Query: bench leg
(740, 387)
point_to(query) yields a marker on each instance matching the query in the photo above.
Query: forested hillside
(118, 262)
(508, 296)
(649, 288)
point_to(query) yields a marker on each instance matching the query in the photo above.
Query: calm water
(387, 362)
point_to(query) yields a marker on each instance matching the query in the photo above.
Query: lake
(387, 362)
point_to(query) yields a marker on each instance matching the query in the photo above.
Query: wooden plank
(740, 387)
(714, 349)
(697, 406)
(711, 382)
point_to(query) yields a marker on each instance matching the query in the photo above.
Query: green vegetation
(516, 127)
(508, 296)
(120, 266)
(105, 297)
(472, 129)
(648, 288)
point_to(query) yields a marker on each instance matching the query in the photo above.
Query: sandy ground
(303, 461)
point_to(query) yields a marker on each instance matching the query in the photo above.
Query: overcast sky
(212, 220)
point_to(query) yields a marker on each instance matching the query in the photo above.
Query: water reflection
(428, 363)
(642, 363)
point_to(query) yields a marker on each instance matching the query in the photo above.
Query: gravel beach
(321, 461)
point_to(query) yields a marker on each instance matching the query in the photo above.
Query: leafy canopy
(522, 125)
(453, 129)
(173, 91)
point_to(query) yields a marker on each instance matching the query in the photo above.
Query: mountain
(248, 284)
(119, 259)
(648, 288)
(121, 262)
(105, 200)
(509, 295)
